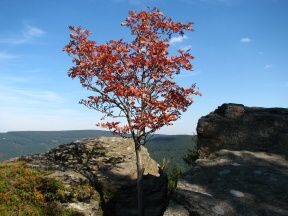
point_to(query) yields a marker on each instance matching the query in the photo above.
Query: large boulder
(233, 183)
(245, 171)
(108, 165)
(237, 127)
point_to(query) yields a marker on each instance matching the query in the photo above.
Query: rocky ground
(108, 165)
(231, 183)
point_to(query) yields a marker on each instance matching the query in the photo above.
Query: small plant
(108, 196)
(165, 165)
(50, 185)
(173, 178)
(173, 173)
(192, 153)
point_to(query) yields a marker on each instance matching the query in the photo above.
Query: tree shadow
(118, 193)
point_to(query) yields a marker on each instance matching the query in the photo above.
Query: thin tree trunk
(139, 180)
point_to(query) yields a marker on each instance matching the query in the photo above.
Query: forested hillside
(19, 143)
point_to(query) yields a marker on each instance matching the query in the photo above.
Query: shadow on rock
(108, 164)
(236, 183)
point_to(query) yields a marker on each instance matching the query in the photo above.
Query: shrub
(25, 191)
(18, 190)
(192, 153)
(173, 177)
(191, 156)
(165, 165)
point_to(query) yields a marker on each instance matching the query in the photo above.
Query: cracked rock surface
(235, 183)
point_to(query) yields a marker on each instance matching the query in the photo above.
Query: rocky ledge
(245, 170)
(233, 183)
(107, 165)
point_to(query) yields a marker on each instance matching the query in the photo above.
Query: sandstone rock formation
(245, 172)
(108, 165)
(237, 127)
(234, 183)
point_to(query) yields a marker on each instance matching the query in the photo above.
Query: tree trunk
(140, 172)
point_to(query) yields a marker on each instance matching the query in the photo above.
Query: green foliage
(164, 165)
(192, 154)
(18, 190)
(108, 196)
(55, 209)
(173, 177)
(190, 157)
(25, 191)
(174, 173)
(50, 187)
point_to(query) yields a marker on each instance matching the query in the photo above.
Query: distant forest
(14, 144)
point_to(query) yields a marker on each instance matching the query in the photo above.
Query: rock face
(234, 183)
(246, 169)
(237, 127)
(108, 165)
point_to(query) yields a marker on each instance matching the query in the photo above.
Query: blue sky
(240, 49)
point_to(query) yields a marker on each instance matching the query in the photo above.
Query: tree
(134, 80)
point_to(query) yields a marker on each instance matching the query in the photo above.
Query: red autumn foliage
(134, 80)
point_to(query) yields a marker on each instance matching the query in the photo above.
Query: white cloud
(186, 48)
(11, 94)
(267, 66)
(245, 40)
(28, 34)
(178, 39)
(38, 95)
(33, 31)
(25, 108)
(21, 119)
(5, 56)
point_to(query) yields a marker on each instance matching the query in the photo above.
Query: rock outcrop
(237, 127)
(245, 168)
(108, 165)
(234, 183)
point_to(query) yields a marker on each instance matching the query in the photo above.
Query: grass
(24, 191)
(18, 191)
